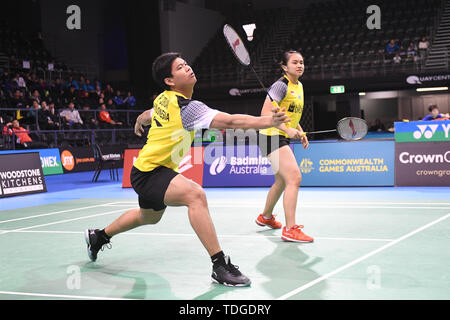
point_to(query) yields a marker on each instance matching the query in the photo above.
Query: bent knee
(294, 179)
(150, 216)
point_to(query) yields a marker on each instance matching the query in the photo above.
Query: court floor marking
(247, 205)
(155, 234)
(446, 204)
(58, 296)
(364, 257)
(62, 221)
(58, 212)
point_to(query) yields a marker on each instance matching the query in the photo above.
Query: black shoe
(229, 275)
(95, 241)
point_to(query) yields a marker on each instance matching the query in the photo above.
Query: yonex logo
(423, 132)
(218, 166)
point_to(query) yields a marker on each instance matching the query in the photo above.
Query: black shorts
(152, 186)
(268, 144)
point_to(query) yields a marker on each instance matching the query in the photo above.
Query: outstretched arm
(240, 121)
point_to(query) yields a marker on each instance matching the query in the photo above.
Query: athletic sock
(267, 218)
(218, 258)
(103, 234)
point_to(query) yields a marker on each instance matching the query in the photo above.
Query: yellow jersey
(289, 96)
(174, 122)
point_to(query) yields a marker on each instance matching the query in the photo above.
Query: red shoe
(295, 234)
(272, 223)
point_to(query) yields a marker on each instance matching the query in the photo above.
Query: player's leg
(185, 192)
(290, 173)
(267, 218)
(273, 196)
(96, 238)
(132, 219)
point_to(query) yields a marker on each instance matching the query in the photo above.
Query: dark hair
(285, 58)
(432, 107)
(162, 68)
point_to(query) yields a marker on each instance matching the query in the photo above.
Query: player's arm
(241, 121)
(144, 119)
(267, 109)
(197, 115)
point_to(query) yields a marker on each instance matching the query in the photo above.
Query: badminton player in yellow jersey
(274, 142)
(155, 176)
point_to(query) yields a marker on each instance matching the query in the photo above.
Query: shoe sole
(265, 225)
(293, 240)
(231, 285)
(86, 238)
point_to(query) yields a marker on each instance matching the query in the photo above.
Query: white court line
(303, 205)
(61, 221)
(194, 235)
(57, 212)
(58, 296)
(364, 257)
(212, 201)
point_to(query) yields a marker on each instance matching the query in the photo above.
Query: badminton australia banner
(20, 174)
(422, 131)
(236, 166)
(362, 163)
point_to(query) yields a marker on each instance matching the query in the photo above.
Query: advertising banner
(361, 163)
(50, 159)
(236, 166)
(20, 174)
(191, 166)
(422, 131)
(82, 159)
(422, 164)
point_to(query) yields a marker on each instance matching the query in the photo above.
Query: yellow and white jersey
(289, 96)
(174, 122)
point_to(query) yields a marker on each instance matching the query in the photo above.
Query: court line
(58, 296)
(364, 257)
(61, 221)
(328, 202)
(194, 235)
(57, 212)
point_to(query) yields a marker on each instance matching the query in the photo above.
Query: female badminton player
(274, 143)
(155, 176)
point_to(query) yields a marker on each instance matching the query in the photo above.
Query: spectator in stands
(51, 117)
(108, 92)
(378, 126)
(130, 100)
(88, 118)
(20, 81)
(105, 118)
(391, 49)
(22, 136)
(118, 100)
(423, 46)
(98, 91)
(71, 117)
(72, 82)
(71, 95)
(397, 59)
(411, 52)
(434, 114)
(35, 116)
(35, 96)
(88, 87)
